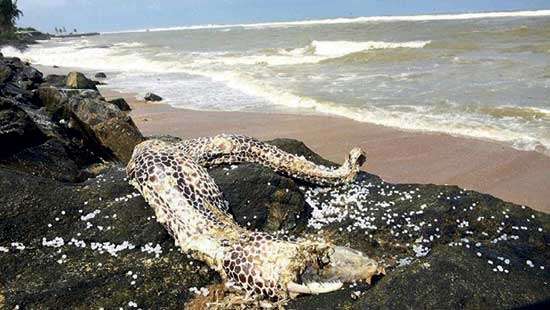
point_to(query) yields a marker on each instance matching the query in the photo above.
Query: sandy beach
(449, 102)
(397, 156)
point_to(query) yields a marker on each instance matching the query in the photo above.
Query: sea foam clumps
(384, 211)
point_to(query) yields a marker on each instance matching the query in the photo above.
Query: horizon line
(350, 20)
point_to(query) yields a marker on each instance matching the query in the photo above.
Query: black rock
(104, 122)
(53, 101)
(28, 73)
(17, 92)
(19, 73)
(100, 75)
(261, 199)
(17, 129)
(444, 272)
(48, 160)
(5, 72)
(55, 80)
(152, 97)
(121, 104)
(37, 210)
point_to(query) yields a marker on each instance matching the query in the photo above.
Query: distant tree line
(62, 30)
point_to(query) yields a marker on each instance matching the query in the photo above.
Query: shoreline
(87, 238)
(397, 156)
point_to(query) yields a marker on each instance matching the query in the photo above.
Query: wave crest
(314, 52)
(334, 49)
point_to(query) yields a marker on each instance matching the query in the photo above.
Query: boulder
(41, 134)
(120, 135)
(121, 104)
(5, 72)
(83, 93)
(53, 101)
(17, 92)
(28, 73)
(77, 80)
(55, 80)
(113, 129)
(17, 129)
(152, 97)
(19, 73)
(100, 75)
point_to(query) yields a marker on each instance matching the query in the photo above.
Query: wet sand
(397, 156)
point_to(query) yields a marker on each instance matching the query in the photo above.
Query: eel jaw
(343, 265)
(313, 288)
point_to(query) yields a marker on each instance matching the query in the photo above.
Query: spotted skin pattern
(173, 179)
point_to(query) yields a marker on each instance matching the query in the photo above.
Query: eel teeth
(314, 287)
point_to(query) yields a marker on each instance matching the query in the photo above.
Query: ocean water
(481, 75)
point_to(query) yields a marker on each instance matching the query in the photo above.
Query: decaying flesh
(172, 178)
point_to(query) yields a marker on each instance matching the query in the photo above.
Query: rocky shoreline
(22, 39)
(74, 234)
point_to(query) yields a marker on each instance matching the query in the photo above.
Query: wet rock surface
(17, 130)
(113, 129)
(261, 199)
(74, 234)
(77, 80)
(55, 80)
(444, 247)
(152, 97)
(58, 132)
(88, 245)
(121, 104)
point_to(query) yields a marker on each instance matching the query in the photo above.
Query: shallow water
(475, 75)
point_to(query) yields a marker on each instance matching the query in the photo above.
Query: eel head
(332, 268)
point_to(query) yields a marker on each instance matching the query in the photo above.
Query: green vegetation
(19, 37)
(8, 36)
(26, 29)
(9, 13)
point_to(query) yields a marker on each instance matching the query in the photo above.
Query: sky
(114, 15)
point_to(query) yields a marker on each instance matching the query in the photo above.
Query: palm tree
(9, 13)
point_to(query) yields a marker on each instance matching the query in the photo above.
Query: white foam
(365, 19)
(127, 59)
(314, 52)
(341, 48)
(417, 119)
(129, 44)
(80, 55)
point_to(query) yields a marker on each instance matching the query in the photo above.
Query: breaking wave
(315, 52)
(384, 75)
(428, 119)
